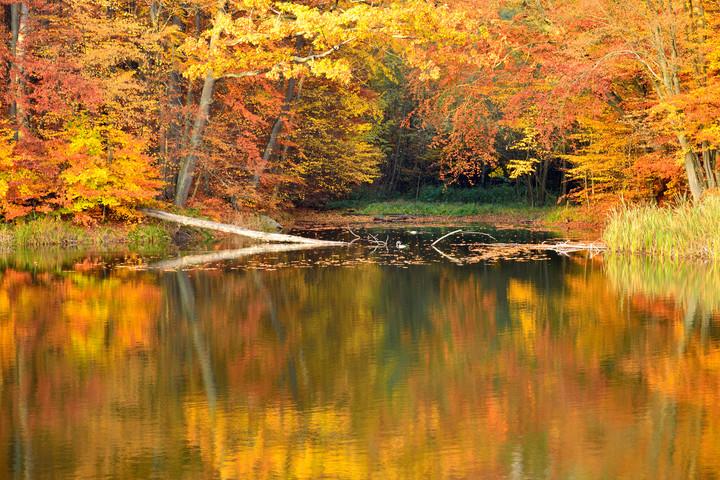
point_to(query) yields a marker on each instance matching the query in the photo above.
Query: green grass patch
(54, 231)
(148, 233)
(548, 214)
(687, 230)
(45, 230)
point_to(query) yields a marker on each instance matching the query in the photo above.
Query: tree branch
(315, 56)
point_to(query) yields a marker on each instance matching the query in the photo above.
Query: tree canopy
(255, 103)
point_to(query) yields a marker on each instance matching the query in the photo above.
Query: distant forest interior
(257, 105)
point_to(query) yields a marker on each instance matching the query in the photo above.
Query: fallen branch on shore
(245, 232)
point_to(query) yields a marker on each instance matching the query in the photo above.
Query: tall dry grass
(687, 230)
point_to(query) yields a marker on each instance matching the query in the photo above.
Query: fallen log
(245, 232)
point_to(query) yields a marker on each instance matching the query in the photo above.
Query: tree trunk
(187, 167)
(173, 129)
(277, 127)
(694, 169)
(18, 25)
(279, 123)
(709, 157)
(542, 180)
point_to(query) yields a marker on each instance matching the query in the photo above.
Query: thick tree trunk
(697, 180)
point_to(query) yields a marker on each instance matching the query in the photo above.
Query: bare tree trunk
(694, 170)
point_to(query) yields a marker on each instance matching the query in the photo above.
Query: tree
(333, 145)
(65, 73)
(667, 46)
(285, 40)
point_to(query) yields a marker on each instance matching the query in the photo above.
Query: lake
(360, 362)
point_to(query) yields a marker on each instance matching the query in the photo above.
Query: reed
(687, 230)
(53, 231)
(46, 231)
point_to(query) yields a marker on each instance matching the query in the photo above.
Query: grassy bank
(45, 231)
(689, 230)
(521, 212)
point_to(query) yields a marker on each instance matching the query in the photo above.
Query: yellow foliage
(518, 168)
(107, 168)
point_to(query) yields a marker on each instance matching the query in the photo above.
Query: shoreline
(54, 232)
(533, 220)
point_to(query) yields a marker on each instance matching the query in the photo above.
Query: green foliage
(686, 230)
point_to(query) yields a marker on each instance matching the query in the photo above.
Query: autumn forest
(252, 103)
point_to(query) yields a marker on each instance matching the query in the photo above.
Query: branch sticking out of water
(459, 231)
(372, 239)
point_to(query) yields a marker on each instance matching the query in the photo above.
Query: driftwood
(562, 248)
(245, 232)
(372, 239)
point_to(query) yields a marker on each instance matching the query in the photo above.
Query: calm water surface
(358, 363)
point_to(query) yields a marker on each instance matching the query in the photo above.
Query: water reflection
(565, 368)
